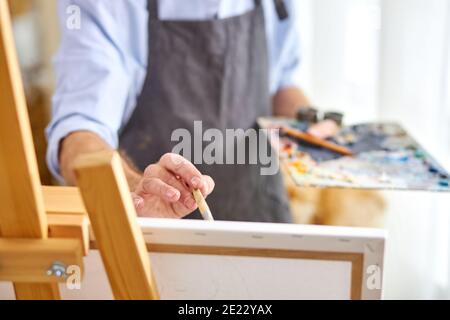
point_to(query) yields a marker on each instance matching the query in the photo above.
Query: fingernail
(176, 159)
(137, 202)
(171, 193)
(190, 203)
(196, 182)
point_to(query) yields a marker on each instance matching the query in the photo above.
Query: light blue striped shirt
(101, 66)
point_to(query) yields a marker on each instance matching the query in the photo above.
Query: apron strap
(152, 6)
(281, 9)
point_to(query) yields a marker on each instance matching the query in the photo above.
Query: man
(137, 70)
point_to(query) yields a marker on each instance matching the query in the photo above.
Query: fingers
(209, 182)
(172, 179)
(185, 196)
(157, 187)
(324, 129)
(181, 167)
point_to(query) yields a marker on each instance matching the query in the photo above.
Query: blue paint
(433, 169)
(419, 154)
(444, 183)
(397, 158)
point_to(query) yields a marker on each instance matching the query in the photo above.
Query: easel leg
(22, 213)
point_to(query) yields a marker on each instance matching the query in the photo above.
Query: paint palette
(385, 157)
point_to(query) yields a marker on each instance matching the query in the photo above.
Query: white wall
(389, 59)
(414, 89)
(341, 44)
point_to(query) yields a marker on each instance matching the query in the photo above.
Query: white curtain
(390, 60)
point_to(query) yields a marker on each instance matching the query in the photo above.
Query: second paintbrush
(316, 141)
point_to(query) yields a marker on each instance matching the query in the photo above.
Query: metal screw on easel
(57, 269)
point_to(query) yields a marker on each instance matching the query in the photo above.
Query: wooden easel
(43, 228)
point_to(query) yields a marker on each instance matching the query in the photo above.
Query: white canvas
(218, 276)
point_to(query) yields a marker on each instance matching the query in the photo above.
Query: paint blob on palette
(385, 156)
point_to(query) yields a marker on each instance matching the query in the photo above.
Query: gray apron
(215, 71)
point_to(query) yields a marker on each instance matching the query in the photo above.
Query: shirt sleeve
(96, 69)
(288, 48)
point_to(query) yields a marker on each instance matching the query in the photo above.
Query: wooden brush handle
(316, 141)
(202, 205)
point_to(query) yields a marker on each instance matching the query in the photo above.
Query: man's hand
(286, 103)
(324, 129)
(165, 190)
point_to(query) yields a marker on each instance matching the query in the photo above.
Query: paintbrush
(316, 141)
(202, 205)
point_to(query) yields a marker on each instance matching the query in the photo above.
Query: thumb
(138, 201)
